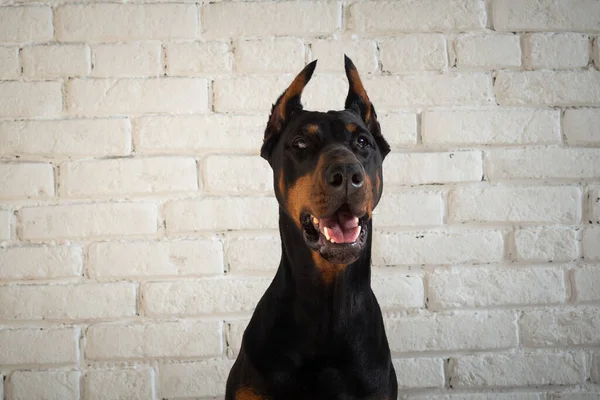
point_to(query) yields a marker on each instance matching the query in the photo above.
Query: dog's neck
(306, 281)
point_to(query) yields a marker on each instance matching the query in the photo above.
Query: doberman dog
(317, 332)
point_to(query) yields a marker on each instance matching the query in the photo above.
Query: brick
(330, 54)
(586, 280)
(413, 373)
(156, 340)
(409, 208)
(9, 62)
(591, 243)
(546, 15)
(488, 51)
(548, 88)
(72, 301)
(264, 55)
(26, 24)
(399, 129)
(518, 369)
(427, 52)
(159, 134)
(512, 395)
(237, 174)
(428, 168)
(586, 393)
(254, 253)
(88, 220)
(198, 58)
(597, 51)
(595, 373)
(396, 290)
(194, 379)
(494, 127)
(5, 224)
(542, 163)
(206, 296)
(560, 327)
(593, 205)
(556, 50)
(424, 16)
(164, 258)
(56, 60)
(137, 96)
(27, 385)
(127, 59)
(134, 384)
(462, 330)
(494, 286)
(128, 175)
(30, 99)
(516, 204)
(39, 346)
(235, 334)
(221, 214)
(546, 244)
(472, 89)
(438, 247)
(323, 93)
(93, 137)
(581, 126)
(26, 180)
(120, 22)
(271, 18)
(41, 262)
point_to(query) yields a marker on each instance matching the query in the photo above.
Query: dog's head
(327, 167)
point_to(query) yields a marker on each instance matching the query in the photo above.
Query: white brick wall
(184, 338)
(491, 127)
(132, 384)
(9, 61)
(557, 50)
(39, 346)
(40, 262)
(138, 227)
(56, 60)
(127, 59)
(484, 51)
(518, 368)
(45, 384)
(427, 52)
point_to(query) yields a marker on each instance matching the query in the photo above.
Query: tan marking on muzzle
(328, 271)
(247, 393)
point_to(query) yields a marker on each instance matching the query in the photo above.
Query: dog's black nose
(345, 177)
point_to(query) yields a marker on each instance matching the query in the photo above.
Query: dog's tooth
(359, 229)
(315, 221)
(326, 233)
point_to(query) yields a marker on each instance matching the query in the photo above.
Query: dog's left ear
(284, 107)
(359, 102)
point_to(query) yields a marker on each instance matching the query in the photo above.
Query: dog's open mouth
(339, 237)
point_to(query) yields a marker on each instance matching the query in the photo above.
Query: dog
(317, 332)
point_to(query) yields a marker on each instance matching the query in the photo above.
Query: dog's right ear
(284, 107)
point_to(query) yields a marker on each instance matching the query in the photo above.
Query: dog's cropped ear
(359, 102)
(284, 107)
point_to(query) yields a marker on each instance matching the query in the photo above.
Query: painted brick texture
(138, 225)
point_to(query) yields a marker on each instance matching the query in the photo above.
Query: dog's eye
(362, 141)
(300, 143)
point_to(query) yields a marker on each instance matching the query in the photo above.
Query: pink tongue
(342, 227)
